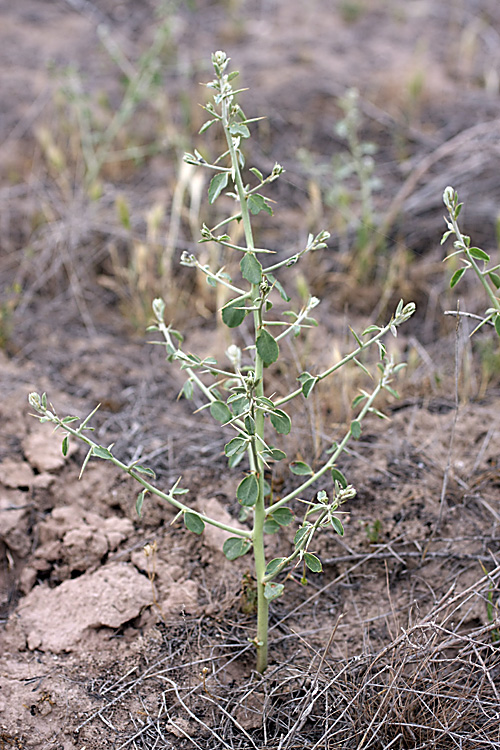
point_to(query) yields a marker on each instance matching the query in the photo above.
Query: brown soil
(125, 632)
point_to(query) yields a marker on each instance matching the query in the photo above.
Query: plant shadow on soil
(395, 644)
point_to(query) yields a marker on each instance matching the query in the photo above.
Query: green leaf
(313, 562)
(479, 254)
(217, 185)
(361, 366)
(273, 565)
(267, 348)
(271, 526)
(358, 400)
(251, 269)
(194, 523)
(356, 429)
(65, 445)
(250, 425)
(370, 329)
(239, 404)
(266, 403)
(235, 547)
(139, 502)
(220, 412)
(337, 476)
(257, 203)
(300, 534)
(144, 470)
(85, 462)
(179, 491)
(495, 278)
(274, 281)
(274, 454)
(206, 125)
(233, 461)
(392, 391)
(497, 324)
(100, 452)
(273, 590)
(456, 277)
(281, 422)
(248, 490)
(282, 516)
(258, 174)
(301, 469)
(307, 382)
(187, 390)
(234, 314)
(235, 447)
(237, 128)
(67, 420)
(336, 524)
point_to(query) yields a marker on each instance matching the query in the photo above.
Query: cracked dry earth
(83, 613)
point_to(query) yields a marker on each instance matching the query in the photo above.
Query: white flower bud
(233, 353)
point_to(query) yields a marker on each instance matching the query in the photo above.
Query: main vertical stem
(258, 538)
(261, 640)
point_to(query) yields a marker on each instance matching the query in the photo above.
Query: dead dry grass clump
(435, 685)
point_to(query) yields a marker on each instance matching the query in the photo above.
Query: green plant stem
(210, 275)
(482, 276)
(339, 364)
(333, 458)
(298, 549)
(261, 640)
(167, 496)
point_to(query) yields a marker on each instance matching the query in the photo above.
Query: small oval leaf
(257, 203)
(217, 185)
(281, 422)
(282, 516)
(267, 348)
(238, 128)
(194, 523)
(233, 314)
(220, 412)
(139, 502)
(456, 277)
(271, 526)
(313, 562)
(273, 454)
(273, 590)
(273, 565)
(337, 476)
(356, 429)
(497, 324)
(495, 278)
(250, 425)
(300, 535)
(251, 269)
(235, 447)
(144, 470)
(301, 468)
(248, 491)
(100, 452)
(235, 547)
(479, 254)
(337, 526)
